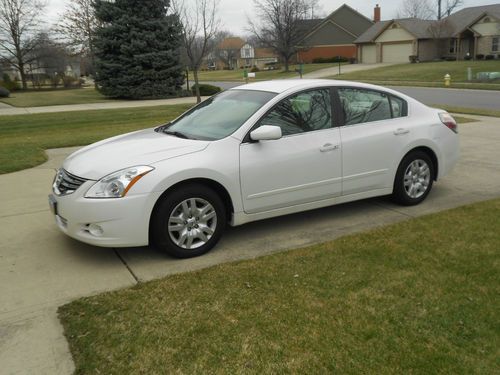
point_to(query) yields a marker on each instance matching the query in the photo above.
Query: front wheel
(188, 222)
(414, 179)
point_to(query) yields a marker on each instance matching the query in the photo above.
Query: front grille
(65, 183)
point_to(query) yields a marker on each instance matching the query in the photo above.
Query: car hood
(143, 147)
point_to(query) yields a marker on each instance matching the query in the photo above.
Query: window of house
(452, 45)
(360, 106)
(246, 52)
(494, 44)
(303, 112)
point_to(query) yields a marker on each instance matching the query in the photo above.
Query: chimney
(376, 14)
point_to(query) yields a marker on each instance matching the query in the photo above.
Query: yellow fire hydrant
(447, 80)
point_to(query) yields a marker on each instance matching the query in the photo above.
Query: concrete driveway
(40, 268)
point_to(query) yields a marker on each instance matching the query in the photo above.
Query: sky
(235, 13)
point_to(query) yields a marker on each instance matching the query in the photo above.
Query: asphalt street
(481, 99)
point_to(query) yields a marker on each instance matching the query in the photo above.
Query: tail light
(449, 121)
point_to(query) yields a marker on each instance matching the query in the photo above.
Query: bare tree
(199, 29)
(447, 7)
(279, 26)
(19, 19)
(78, 25)
(416, 9)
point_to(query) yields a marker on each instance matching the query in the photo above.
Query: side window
(361, 105)
(398, 107)
(304, 112)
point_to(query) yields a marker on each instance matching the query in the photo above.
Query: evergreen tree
(137, 49)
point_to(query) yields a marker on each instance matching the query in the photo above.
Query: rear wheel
(414, 179)
(188, 222)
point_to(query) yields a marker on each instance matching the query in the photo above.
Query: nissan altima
(249, 153)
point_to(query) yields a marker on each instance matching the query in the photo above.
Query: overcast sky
(234, 13)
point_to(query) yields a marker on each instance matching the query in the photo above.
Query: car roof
(280, 86)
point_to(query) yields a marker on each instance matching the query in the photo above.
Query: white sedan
(253, 152)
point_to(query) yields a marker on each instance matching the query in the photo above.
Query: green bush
(327, 60)
(206, 90)
(4, 93)
(255, 69)
(489, 57)
(9, 84)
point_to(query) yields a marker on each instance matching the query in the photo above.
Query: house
(333, 35)
(228, 53)
(235, 53)
(469, 32)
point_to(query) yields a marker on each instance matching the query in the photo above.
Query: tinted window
(221, 115)
(364, 106)
(398, 107)
(307, 111)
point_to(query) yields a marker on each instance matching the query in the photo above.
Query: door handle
(401, 131)
(329, 147)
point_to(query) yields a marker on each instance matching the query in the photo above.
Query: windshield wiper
(176, 134)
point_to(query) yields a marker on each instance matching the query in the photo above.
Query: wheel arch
(432, 155)
(212, 184)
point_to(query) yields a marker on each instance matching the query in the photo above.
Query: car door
(304, 165)
(373, 137)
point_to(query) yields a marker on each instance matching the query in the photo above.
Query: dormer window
(487, 19)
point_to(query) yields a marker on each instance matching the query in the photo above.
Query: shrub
(206, 90)
(4, 93)
(9, 84)
(353, 60)
(413, 59)
(489, 57)
(468, 57)
(479, 56)
(324, 60)
(255, 69)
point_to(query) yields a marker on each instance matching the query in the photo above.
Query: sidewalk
(6, 110)
(333, 71)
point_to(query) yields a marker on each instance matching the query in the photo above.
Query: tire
(188, 222)
(414, 179)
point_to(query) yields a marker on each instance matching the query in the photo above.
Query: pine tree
(137, 49)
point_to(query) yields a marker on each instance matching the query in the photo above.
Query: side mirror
(266, 133)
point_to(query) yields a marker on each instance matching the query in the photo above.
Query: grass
(237, 75)
(54, 97)
(418, 297)
(24, 138)
(428, 74)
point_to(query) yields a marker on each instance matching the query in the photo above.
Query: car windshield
(219, 116)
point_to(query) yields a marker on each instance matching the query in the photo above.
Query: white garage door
(395, 53)
(369, 54)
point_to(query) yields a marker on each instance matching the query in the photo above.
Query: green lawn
(54, 97)
(418, 297)
(24, 138)
(428, 74)
(237, 75)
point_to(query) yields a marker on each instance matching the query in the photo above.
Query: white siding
(395, 35)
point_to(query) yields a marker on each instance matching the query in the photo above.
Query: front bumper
(124, 221)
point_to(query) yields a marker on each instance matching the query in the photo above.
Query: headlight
(117, 184)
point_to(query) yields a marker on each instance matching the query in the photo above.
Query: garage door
(395, 53)
(369, 54)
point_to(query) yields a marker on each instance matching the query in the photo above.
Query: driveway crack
(127, 266)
